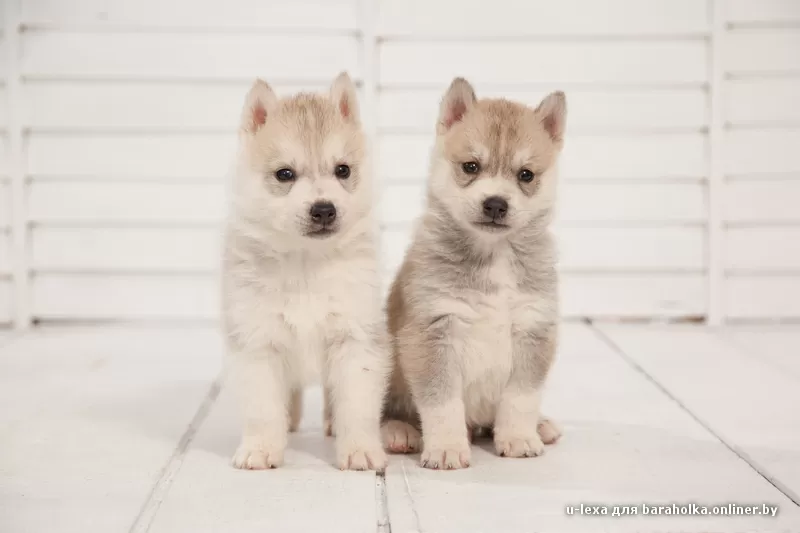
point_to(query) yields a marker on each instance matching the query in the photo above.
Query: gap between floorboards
(731, 446)
(147, 514)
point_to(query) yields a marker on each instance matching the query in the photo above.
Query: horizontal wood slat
(403, 157)
(761, 298)
(589, 109)
(762, 200)
(192, 14)
(436, 63)
(73, 55)
(648, 203)
(68, 296)
(536, 18)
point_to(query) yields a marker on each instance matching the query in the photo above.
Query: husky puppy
(473, 312)
(301, 283)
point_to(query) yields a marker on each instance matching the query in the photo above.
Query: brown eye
(525, 175)
(471, 167)
(284, 174)
(342, 171)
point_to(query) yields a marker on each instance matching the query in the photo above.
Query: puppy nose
(323, 212)
(495, 207)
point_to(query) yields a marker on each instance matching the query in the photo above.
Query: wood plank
(762, 11)
(762, 51)
(762, 297)
(762, 249)
(436, 63)
(651, 451)
(640, 249)
(116, 401)
(238, 14)
(509, 18)
(73, 55)
(618, 296)
(768, 102)
(762, 200)
(775, 345)
(753, 405)
(583, 202)
(75, 105)
(126, 202)
(180, 250)
(132, 156)
(589, 109)
(600, 249)
(768, 151)
(104, 297)
(638, 157)
(210, 496)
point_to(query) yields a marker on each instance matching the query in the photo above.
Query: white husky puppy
(301, 282)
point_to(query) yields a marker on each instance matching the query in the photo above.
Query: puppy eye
(342, 171)
(471, 167)
(525, 175)
(284, 174)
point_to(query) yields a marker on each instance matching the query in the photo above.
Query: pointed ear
(553, 112)
(259, 102)
(343, 95)
(459, 98)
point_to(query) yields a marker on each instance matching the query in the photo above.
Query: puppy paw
(254, 457)
(357, 456)
(446, 457)
(548, 430)
(519, 445)
(400, 437)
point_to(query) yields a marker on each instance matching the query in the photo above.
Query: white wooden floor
(125, 429)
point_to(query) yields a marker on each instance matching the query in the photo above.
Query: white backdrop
(681, 175)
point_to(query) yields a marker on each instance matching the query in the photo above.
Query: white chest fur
(484, 337)
(299, 305)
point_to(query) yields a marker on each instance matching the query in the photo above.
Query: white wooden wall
(681, 176)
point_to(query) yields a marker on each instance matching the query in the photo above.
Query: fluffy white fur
(299, 300)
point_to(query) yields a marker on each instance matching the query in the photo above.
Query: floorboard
(118, 429)
(89, 418)
(746, 398)
(625, 442)
(307, 494)
(775, 345)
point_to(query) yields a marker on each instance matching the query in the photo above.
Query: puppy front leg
(261, 383)
(519, 425)
(357, 377)
(436, 386)
(445, 439)
(515, 433)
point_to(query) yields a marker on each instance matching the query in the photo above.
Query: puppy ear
(343, 94)
(259, 102)
(459, 98)
(553, 113)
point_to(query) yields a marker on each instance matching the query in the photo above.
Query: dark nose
(495, 208)
(323, 212)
